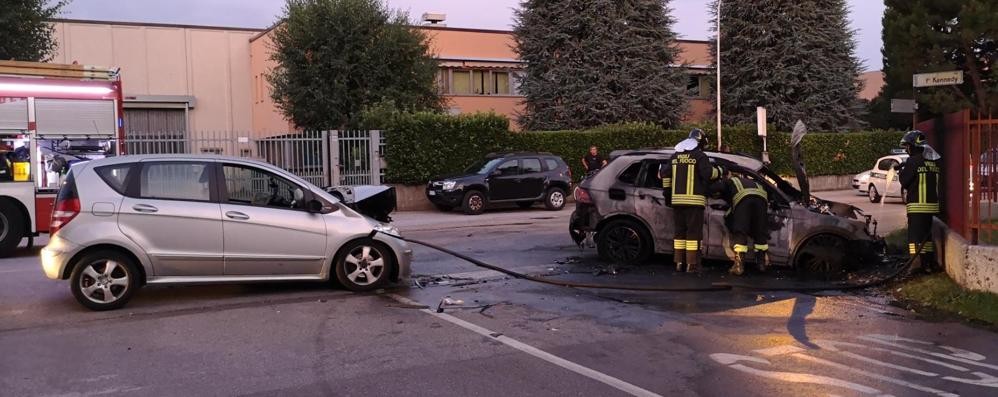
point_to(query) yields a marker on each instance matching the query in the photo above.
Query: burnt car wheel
(473, 203)
(873, 194)
(823, 256)
(624, 241)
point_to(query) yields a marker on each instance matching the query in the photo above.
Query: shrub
(423, 146)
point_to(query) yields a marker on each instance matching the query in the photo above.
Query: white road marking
(779, 350)
(18, 270)
(833, 346)
(874, 376)
(538, 353)
(983, 380)
(731, 361)
(886, 340)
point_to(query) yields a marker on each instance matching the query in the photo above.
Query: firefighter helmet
(914, 138)
(698, 135)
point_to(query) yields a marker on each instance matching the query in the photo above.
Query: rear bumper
(584, 220)
(56, 255)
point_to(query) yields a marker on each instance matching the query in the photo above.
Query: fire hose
(624, 287)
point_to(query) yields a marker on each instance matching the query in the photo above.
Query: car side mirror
(314, 206)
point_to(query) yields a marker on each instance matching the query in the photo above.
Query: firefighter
(748, 206)
(686, 184)
(919, 177)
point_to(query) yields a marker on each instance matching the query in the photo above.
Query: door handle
(146, 208)
(237, 215)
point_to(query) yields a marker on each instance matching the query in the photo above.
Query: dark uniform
(686, 190)
(748, 206)
(919, 177)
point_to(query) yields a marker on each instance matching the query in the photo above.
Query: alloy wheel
(557, 199)
(623, 243)
(104, 281)
(365, 265)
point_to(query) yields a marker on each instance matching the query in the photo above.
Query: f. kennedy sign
(936, 79)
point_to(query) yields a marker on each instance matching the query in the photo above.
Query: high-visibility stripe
(923, 208)
(715, 173)
(674, 176)
(695, 200)
(921, 188)
(689, 179)
(679, 244)
(742, 192)
(739, 248)
(928, 247)
(762, 247)
(666, 183)
(692, 245)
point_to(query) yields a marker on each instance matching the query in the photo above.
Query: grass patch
(938, 292)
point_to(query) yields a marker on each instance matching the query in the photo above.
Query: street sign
(936, 79)
(760, 120)
(902, 106)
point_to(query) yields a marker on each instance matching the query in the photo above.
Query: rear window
(68, 189)
(630, 175)
(552, 164)
(116, 176)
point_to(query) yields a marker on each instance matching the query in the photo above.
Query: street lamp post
(717, 55)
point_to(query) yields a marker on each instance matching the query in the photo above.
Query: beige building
(176, 78)
(192, 80)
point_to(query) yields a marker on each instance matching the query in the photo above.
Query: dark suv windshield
(482, 167)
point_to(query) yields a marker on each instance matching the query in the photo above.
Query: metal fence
(983, 166)
(323, 158)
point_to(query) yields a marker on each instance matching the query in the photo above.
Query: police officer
(919, 177)
(748, 206)
(686, 186)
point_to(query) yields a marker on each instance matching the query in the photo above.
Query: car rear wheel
(473, 203)
(11, 228)
(364, 265)
(823, 256)
(104, 280)
(554, 199)
(624, 241)
(873, 194)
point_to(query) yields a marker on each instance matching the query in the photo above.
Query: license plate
(433, 193)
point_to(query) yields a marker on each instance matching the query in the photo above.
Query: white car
(877, 185)
(861, 181)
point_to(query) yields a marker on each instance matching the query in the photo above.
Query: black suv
(521, 178)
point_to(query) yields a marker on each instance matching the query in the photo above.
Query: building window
(698, 87)
(460, 82)
(475, 82)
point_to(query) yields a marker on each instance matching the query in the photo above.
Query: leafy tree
(923, 36)
(593, 62)
(25, 33)
(337, 59)
(796, 58)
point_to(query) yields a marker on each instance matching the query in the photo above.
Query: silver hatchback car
(123, 222)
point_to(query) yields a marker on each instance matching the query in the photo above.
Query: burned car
(623, 211)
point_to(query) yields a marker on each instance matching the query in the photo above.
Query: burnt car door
(649, 204)
(778, 218)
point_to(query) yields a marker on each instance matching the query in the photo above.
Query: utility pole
(717, 55)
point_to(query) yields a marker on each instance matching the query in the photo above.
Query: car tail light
(582, 196)
(67, 205)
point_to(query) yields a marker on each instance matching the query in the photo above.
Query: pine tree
(594, 62)
(923, 36)
(796, 58)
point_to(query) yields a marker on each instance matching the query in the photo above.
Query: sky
(692, 17)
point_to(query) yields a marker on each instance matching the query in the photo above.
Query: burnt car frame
(623, 210)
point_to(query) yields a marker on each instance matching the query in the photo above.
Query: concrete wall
(973, 267)
(210, 64)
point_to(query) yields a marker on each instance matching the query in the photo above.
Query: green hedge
(424, 146)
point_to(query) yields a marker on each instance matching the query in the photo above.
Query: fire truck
(51, 116)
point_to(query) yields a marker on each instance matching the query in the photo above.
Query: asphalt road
(508, 337)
